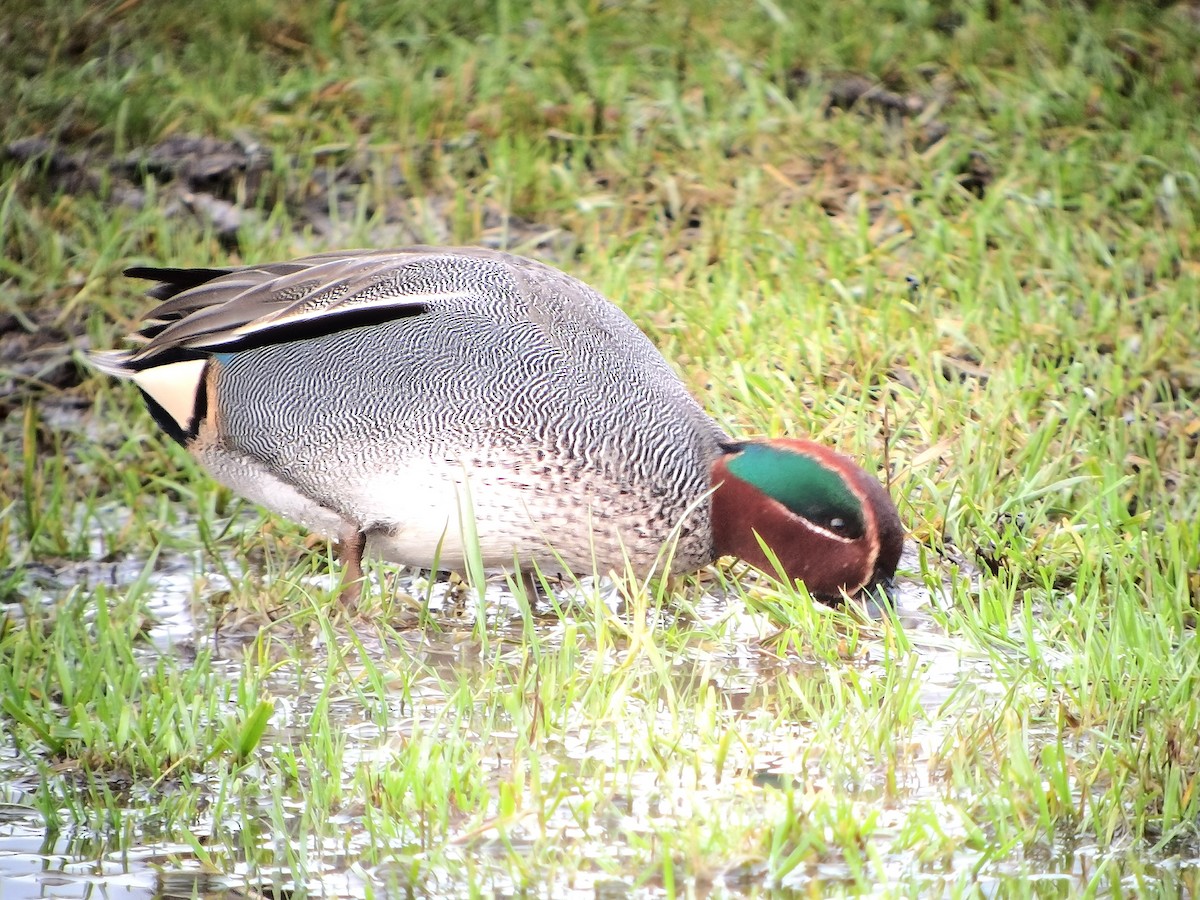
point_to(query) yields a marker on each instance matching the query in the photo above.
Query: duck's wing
(211, 310)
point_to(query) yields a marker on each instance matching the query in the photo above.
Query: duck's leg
(533, 586)
(539, 587)
(352, 542)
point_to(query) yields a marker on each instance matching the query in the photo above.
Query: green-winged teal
(359, 392)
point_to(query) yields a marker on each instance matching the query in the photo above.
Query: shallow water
(127, 860)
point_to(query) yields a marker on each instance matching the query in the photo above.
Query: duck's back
(496, 373)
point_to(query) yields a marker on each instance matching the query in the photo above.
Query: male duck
(371, 395)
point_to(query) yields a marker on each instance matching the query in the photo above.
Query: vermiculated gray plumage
(386, 390)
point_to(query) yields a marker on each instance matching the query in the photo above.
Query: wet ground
(126, 860)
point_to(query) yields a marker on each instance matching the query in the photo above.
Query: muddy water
(127, 860)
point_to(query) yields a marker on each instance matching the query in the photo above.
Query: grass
(992, 293)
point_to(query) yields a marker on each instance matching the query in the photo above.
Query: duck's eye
(846, 527)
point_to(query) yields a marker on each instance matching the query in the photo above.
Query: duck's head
(828, 522)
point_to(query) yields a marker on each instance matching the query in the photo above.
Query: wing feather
(206, 310)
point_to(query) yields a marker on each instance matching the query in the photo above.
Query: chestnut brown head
(828, 522)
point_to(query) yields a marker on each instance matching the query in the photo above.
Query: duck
(385, 399)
